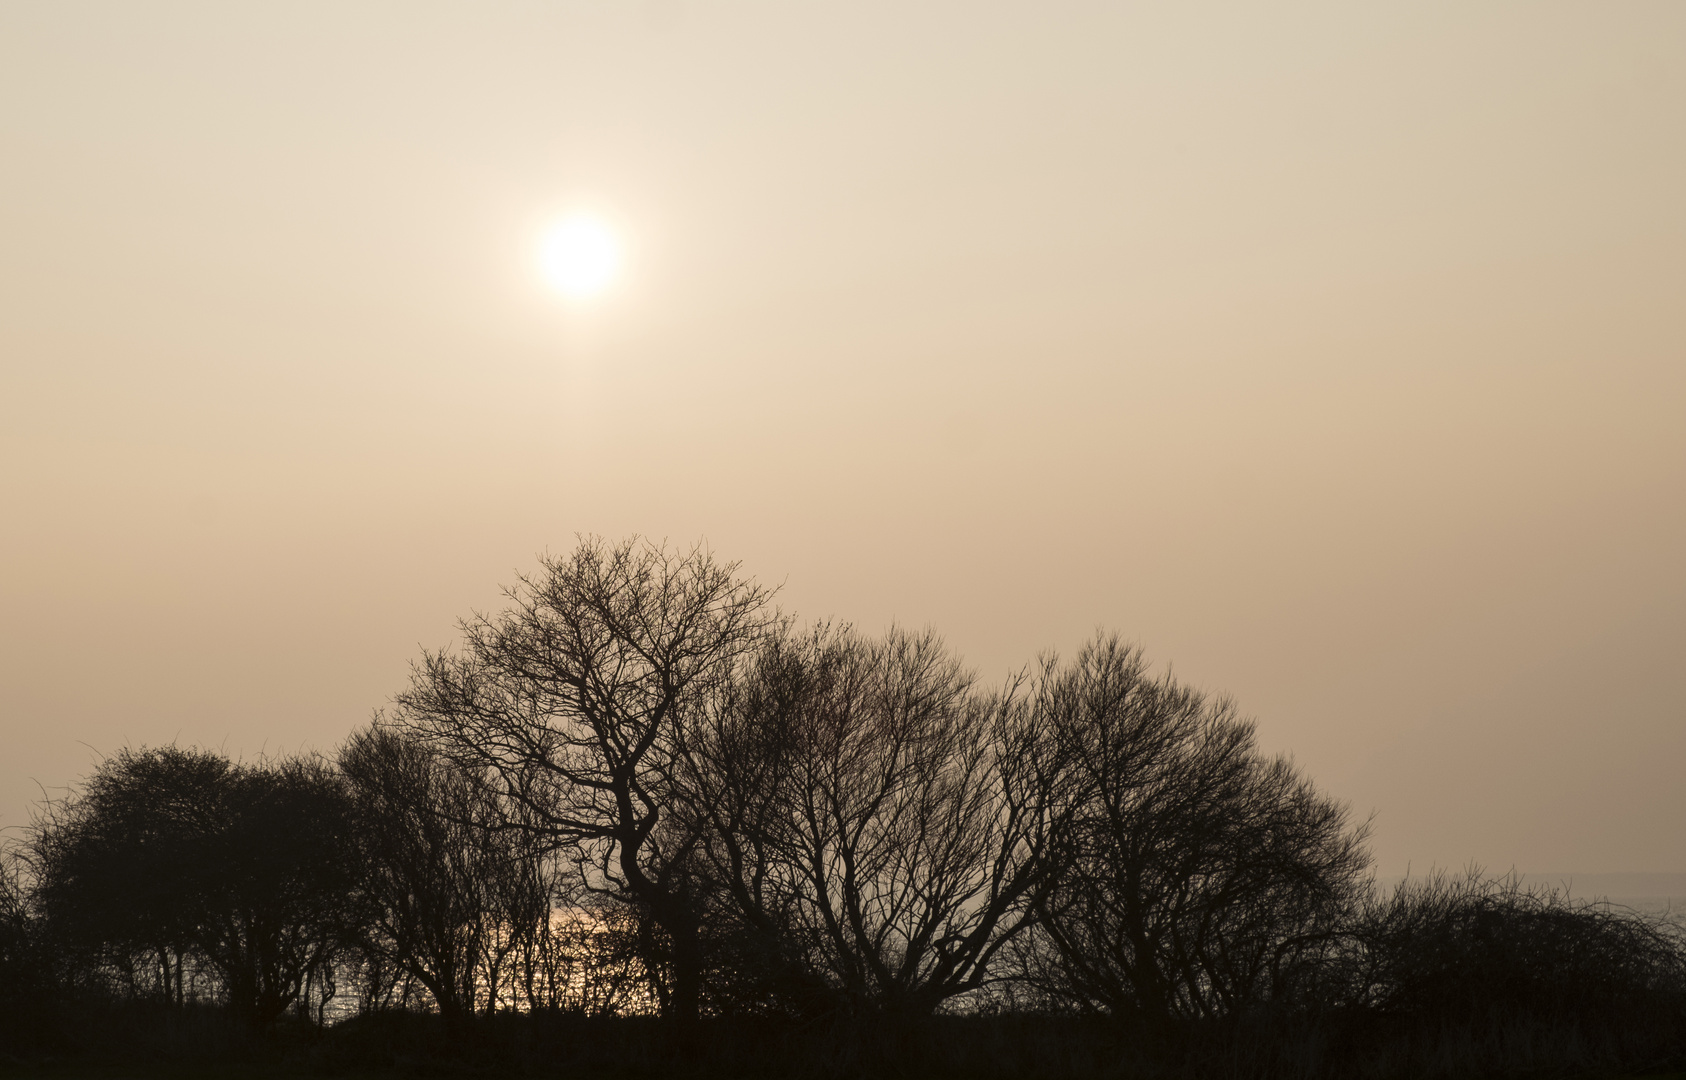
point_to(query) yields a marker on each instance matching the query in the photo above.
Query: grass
(134, 1046)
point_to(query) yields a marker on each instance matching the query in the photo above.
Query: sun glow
(580, 257)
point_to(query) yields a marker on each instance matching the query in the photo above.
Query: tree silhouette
(278, 885)
(570, 700)
(173, 856)
(423, 837)
(1198, 877)
(124, 865)
(868, 806)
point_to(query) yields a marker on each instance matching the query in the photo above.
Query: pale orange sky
(1335, 352)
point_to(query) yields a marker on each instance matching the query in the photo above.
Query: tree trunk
(687, 981)
(672, 913)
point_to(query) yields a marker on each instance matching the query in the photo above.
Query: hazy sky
(1336, 352)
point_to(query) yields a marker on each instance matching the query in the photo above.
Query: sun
(580, 256)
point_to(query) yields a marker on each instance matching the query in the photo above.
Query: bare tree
(875, 815)
(432, 861)
(1444, 950)
(120, 866)
(175, 858)
(278, 887)
(27, 983)
(1199, 877)
(570, 700)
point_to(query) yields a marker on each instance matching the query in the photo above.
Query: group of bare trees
(641, 788)
(815, 819)
(640, 785)
(390, 877)
(177, 870)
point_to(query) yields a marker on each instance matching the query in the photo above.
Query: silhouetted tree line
(639, 790)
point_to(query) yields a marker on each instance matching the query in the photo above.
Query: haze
(1335, 352)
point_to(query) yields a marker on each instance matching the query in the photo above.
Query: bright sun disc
(580, 257)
